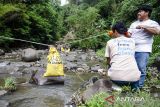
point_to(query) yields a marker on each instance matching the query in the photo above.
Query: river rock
(29, 55)
(95, 68)
(70, 66)
(80, 70)
(4, 103)
(85, 67)
(42, 52)
(83, 57)
(2, 52)
(8, 69)
(5, 63)
(70, 58)
(101, 85)
(38, 79)
(2, 92)
(91, 87)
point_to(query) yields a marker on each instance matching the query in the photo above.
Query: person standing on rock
(142, 32)
(120, 56)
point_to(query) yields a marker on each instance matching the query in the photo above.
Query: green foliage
(82, 22)
(152, 58)
(46, 21)
(9, 84)
(101, 52)
(138, 99)
(152, 77)
(96, 101)
(39, 22)
(156, 50)
(7, 8)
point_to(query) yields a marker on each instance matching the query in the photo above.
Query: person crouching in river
(120, 57)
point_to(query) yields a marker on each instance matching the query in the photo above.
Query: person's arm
(108, 62)
(107, 55)
(130, 30)
(155, 30)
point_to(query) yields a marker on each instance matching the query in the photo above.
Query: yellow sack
(62, 49)
(54, 66)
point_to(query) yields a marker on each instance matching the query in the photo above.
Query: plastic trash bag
(54, 66)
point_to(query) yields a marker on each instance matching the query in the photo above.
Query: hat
(146, 8)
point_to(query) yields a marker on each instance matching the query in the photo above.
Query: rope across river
(43, 44)
(33, 42)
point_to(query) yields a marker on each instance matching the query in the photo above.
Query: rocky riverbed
(20, 64)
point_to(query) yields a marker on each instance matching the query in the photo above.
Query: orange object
(110, 33)
(127, 34)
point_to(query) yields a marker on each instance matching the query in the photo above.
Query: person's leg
(135, 85)
(142, 60)
(121, 83)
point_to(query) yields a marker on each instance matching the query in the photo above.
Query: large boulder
(101, 85)
(88, 89)
(29, 55)
(38, 79)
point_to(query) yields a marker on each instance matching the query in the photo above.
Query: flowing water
(29, 95)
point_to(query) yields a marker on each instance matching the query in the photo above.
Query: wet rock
(29, 55)
(38, 79)
(5, 63)
(70, 66)
(42, 52)
(80, 70)
(71, 58)
(102, 72)
(8, 69)
(85, 67)
(83, 57)
(4, 103)
(2, 92)
(89, 88)
(90, 82)
(101, 85)
(95, 68)
(29, 70)
(2, 52)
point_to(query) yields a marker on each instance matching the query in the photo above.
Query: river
(29, 95)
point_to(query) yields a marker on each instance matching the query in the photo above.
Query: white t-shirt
(121, 51)
(143, 39)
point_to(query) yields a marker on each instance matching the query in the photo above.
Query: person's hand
(110, 33)
(141, 27)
